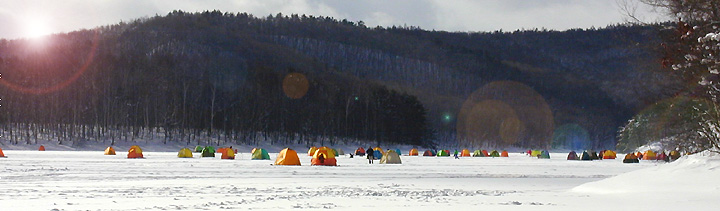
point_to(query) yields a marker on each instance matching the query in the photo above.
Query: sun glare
(36, 27)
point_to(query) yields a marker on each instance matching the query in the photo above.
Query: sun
(36, 27)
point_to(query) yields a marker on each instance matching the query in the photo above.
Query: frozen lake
(72, 180)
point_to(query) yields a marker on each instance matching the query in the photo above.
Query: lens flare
(504, 113)
(61, 85)
(295, 85)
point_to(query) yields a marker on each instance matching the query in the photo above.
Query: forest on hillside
(223, 78)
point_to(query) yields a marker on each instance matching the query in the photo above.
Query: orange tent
(485, 153)
(312, 150)
(378, 149)
(360, 151)
(465, 153)
(287, 157)
(504, 153)
(109, 151)
(227, 153)
(2, 155)
(639, 155)
(324, 157)
(649, 155)
(221, 150)
(413, 152)
(135, 152)
(42, 148)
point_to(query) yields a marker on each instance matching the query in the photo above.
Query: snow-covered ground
(89, 180)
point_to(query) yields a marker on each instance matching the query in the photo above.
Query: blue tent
(378, 154)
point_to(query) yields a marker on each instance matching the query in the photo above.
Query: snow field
(84, 180)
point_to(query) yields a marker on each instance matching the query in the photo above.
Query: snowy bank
(690, 183)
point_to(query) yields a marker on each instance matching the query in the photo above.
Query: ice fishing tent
(609, 154)
(593, 155)
(572, 155)
(360, 151)
(311, 151)
(494, 153)
(674, 155)
(199, 148)
(631, 158)
(208, 151)
(478, 153)
(588, 155)
(323, 157)
(41, 148)
(287, 157)
(662, 156)
(228, 153)
(544, 155)
(391, 157)
(465, 153)
(649, 155)
(185, 153)
(398, 151)
(413, 152)
(535, 153)
(135, 152)
(339, 151)
(109, 151)
(428, 153)
(639, 155)
(485, 153)
(443, 153)
(378, 152)
(262, 154)
(2, 155)
(504, 154)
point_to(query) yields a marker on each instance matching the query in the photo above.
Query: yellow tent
(312, 150)
(649, 155)
(287, 157)
(535, 153)
(391, 157)
(185, 153)
(109, 151)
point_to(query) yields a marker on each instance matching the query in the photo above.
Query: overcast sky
(22, 18)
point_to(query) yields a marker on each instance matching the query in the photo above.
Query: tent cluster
(592, 155)
(661, 155)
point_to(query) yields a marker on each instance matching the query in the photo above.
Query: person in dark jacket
(370, 155)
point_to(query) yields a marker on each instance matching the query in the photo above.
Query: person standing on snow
(456, 155)
(370, 155)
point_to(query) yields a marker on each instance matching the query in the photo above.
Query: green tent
(335, 152)
(544, 155)
(478, 153)
(442, 153)
(208, 151)
(260, 154)
(494, 153)
(199, 148)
